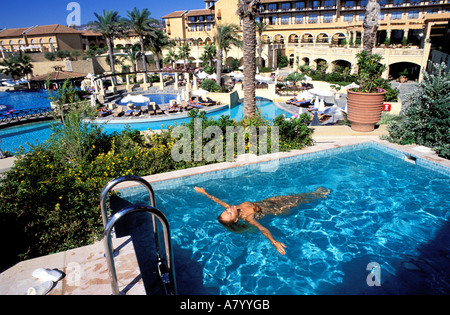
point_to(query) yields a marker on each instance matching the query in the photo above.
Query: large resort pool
(14, 137)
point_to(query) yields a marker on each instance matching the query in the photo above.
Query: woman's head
(229, 217)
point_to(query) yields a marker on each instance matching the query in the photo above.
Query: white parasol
(200, 92)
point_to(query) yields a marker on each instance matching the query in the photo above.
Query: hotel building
(325, 31)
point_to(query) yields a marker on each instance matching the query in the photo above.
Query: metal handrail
(117, 181)
(168, 282)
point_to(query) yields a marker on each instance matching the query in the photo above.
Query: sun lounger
(119, 112)
(184, 105)
(302, 103)
(129, 112)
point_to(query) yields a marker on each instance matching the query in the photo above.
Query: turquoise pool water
(381, 210)
(21, 100)
(13, 137)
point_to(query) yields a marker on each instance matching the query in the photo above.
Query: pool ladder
(165, 265)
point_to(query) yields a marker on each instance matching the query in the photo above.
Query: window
(432, 11)
(208, 27)
(192, 28)
(364, 3)
(381, 16)
(257, 19)
(329, 3)
(192, 19)
(272, 20)
(312, 19)
(413, 14)
(315, 4)
(382, 3)
(349, 4)
(200, 19)
(285, 6)
(397, 2)
(348, 17)
(396, 15)
(328, 18)
(414, 2)
(299, 19)
(272, 7)
(361, 16)
(300, 5)
(285, 20)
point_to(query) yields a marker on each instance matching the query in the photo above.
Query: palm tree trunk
(111, 59)
(157, 61)
(144, 59)
(219, 66)
(260, 52)
(249, 34)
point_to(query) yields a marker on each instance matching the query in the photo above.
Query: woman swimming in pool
(250, 211)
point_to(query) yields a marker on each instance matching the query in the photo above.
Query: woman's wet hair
(232, 226)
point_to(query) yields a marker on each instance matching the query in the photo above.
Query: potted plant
(365, 104)
(403, 76)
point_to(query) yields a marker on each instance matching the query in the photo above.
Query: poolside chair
(158, 110)
(137, 111)
(129, 112)
(119, 112)
(184, 105)
(302, 103)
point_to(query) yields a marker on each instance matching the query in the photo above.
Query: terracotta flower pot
(364, 110)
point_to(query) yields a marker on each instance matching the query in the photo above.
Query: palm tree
(261, 27)
(156, 40)
(111, 26)
(171, 57)
(184, 53)
(225, 36)
(209, 54)
(17, 66)
(247, 10)
(370, 25)
(139, 22)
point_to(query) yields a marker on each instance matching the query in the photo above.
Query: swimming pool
(381, 210)
(13, 137)
(21, 100)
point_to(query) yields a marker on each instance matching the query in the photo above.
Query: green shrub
(426, 114)
(209, 85)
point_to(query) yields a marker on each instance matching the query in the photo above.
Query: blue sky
(44, 12)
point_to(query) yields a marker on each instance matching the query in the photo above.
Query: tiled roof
(13, 32)
(59, 76)
(38, 30)
(175, 14)
(53, 29)
(200, 12)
